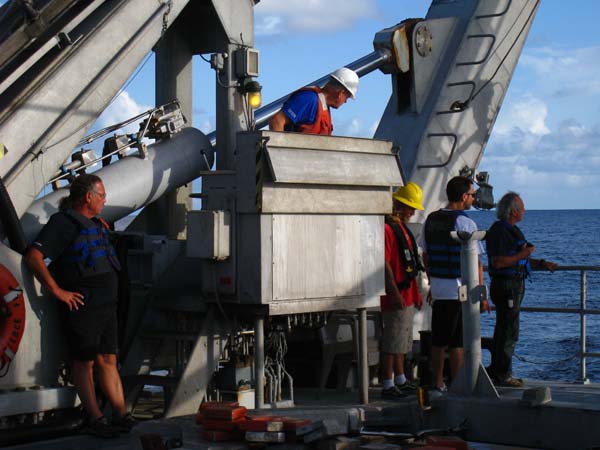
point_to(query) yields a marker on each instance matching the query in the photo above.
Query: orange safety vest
(322, 123)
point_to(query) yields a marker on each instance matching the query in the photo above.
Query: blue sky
(546, 142)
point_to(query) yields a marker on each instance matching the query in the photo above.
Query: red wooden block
(224, 412)
(206, 405)
(262, 423)
(448, 442)
(200, 415)
(221, 425)
(219, 436)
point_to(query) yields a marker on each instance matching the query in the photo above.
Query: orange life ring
(12, 316)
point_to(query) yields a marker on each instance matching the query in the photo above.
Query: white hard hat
(347, 78)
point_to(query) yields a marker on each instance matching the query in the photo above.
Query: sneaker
(510, 382)
(437, 392)
(392, 393)
(101, 428)
(408, 387)
(125, 423)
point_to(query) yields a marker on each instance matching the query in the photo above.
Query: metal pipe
(583, 327)
(469, 261)
(133, 182)
(363, 363)
(259, 362)
(362, 66)
(74, 106)
(49, 45)
(593, 312)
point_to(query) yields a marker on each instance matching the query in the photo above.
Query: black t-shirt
(500, 241)
(55, 237)
(503, 239)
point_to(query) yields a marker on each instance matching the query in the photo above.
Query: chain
(529, 361)
(165, 22)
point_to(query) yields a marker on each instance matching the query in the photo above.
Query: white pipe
(469, 262)
(133, 182)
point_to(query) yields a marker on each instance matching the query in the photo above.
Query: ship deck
(573, 399)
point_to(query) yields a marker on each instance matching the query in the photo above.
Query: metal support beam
(259, 362)
(363, 363)
(173, 81)
(201, 365)
(472, 379)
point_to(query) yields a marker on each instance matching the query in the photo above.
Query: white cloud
(562, 164)
(564, 72)
(352, 127)
(122, 108)
(526, 115)
(281, 16)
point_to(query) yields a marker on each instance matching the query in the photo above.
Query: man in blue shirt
(509, 256)
(308, 110)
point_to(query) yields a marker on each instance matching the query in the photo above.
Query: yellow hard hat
(410, 194)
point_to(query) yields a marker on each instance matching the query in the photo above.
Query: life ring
(12, 317)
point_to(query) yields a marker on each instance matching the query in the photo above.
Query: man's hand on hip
(72, 299)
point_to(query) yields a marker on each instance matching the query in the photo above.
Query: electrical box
(208, 234)
(246, 62)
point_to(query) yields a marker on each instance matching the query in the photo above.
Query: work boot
(392, 393)
(101, 428)
(125, 423)
(409, 387)
(510, 382)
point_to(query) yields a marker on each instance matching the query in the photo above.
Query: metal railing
(582, 311)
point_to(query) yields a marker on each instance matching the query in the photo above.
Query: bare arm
(485, 305)
(35, 261)
(425, 260)
(543, 264)
(279, 121)
(500, 262)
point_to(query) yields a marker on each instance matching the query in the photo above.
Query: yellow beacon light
(253, 89)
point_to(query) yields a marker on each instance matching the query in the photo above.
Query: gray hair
(507, 203)
(77, 190)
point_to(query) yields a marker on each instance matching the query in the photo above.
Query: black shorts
(446, 324)
(92, 332)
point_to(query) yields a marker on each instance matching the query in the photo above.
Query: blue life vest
(520, 270)
(90, 254)
(443, 252)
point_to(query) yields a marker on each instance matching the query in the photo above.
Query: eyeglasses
(102, 195)
(472, 194)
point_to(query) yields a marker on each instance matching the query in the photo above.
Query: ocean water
(549, 343)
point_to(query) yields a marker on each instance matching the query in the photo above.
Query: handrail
(582, 311)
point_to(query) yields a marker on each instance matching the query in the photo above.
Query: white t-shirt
(447, 288)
